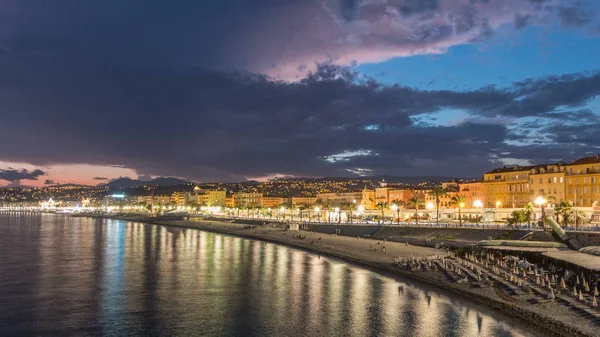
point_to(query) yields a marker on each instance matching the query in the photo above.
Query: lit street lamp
(540, 201)
(337, 210)
(317, 210)
(396, 209)
(478, 204)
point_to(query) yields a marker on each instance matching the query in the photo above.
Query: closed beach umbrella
(586, 287)
(563, 285)
(596, 291)
(594, 302)
(551, 294)
(580, 296)
(574, 292)
(577, 280)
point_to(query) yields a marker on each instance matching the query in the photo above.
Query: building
(582, 187)
(245, 200)
(368, 199)
(445, 200)
(507, 187)
(229, 202)
(180, 198)
(472, 191)
(303, 201)
(548, 181)
(158, 199)
(340, 198)
(273, 202)
(208, 197)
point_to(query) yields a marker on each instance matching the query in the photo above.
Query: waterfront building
(340, 198)
(548, 181)
(303, 201)
(507, 187)
(208, 197)
(472, 191)
(583, 182)
(273, 201)
(245, 200)
(229, 202)
(180, 198)
(368, 199)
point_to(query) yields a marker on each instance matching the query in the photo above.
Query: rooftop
(587, 160)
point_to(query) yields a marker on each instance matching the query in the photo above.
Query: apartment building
(507, 187)
(583, 181)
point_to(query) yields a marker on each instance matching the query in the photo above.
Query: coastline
(551, 318)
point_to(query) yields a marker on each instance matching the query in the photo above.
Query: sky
(232, 90)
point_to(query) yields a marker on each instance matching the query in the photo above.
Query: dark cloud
(100, 178)
(13, 175)
(268, 36)
(49, 182)
(205, 125)
(166, 91)
(575, 15)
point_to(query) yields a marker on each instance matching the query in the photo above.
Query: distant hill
(390, 179)
(129, 183)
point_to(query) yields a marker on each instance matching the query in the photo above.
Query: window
(555, 180)
(593, 180)
(541, 191)
(541, 181)
(584, 180)
(570, 180)
(561, 179)
(549, 180)
(531, 181)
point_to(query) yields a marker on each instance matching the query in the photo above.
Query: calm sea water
(76, 276)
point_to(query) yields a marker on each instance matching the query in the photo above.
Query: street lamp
(283, 212)
(317, 209)
(337, 210)
(478, 204)
(395, 209)
(540, 201)
(498, 204)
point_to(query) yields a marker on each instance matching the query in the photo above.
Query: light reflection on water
(80, 276)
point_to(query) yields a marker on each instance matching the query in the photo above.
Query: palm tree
(415, 202)
(458, 201)
(438, 192)
(564, 208)
(382, 205)
(529, 212)
(398, 203)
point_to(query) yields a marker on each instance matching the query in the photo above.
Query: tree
(382, 205)
(438, 192)
(398, 203)
(517, 217)
(563, 209)
(458, 201)
(529, 213)
(416, 202)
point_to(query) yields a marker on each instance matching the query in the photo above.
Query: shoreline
(539, 319)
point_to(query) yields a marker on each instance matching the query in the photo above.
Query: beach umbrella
(551, 294)
(580, 297)
(574, 291)
(586, 287)
(577, 280)
(543, 283)
(596, 291)
(563, 285)
(537, 280)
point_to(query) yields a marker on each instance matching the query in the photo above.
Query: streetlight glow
(429, 205)
(394, 207)
(540, 201)
(477, 203)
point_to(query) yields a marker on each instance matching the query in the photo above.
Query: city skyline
(294, 88)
